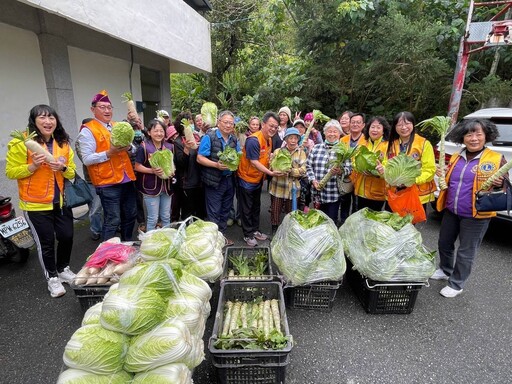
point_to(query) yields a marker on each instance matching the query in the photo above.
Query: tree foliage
(373, 56)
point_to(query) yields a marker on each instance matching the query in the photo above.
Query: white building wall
(93, 72)
(22, 83)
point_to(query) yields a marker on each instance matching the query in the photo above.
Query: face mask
(333, 143)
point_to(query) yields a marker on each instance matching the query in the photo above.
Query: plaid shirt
(317, 168)
(282, 186)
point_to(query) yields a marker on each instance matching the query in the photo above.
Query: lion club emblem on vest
(487, 167)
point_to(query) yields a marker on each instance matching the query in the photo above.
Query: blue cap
(291, 131)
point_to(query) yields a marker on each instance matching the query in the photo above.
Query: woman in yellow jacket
(40, 187)
(370, 189)
(404, 139)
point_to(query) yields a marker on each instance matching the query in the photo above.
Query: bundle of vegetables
(387, 247)
(108, 262)
(230, 158)
(160, 114)
(366, 161)
(78, 376)
(132, 310)
(342, 153)
(402, 170)
(155, 275)
(169, 342)
(209, 113)
(188, 131)
(251, 325)
(122, 134)
(164, 160)
(33, 146)
(97, 350)
(317, 116)
(243, 267)
(160, 244)
(175, 373)
(307, 248)
(282, 161)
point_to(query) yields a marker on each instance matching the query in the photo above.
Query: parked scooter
(15, 235)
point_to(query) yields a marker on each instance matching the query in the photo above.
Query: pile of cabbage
(307, 249)
(150, 326)
(383, 246)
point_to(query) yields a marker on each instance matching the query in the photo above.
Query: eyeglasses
(227, 123)
(357, 122)
(271, 126)
(105, 107)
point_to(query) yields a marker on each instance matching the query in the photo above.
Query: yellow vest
(247, 171)
(369, 186)
(482, 174)
(111, 171)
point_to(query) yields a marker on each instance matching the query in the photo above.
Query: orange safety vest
(40, 186)
(110, 171)
(415, 151)
(247, 171)
(489, 163)
(369, 186)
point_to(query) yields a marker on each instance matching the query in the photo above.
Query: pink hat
(170, 132)
(102, 96)
(308, 117)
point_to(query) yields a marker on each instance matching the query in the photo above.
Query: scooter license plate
(12, 227)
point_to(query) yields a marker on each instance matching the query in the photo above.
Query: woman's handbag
(344, 185)
(77, 192)
(407, 201)
(491, 201)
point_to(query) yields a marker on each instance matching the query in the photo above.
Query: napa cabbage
(92, 315)
(77, 376)
(175, 373)
(196, 248)
(209, 269)
(160, 244)
(282, 160)
(163, 159)
(159, 276)
(209, 113)
(122, 134)
(230, 158)
(402, 170)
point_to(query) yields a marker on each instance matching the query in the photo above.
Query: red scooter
(15, 235)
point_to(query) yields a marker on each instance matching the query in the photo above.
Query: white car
(502, 117)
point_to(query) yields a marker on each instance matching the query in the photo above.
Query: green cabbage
(209, 113)
(282, 161)
(92, 315)
(230, 158)
(77, 376)
(156, 275)
(176, 373)
(132, 311)
(170, 342)
(160, 244)
(366, 161)
(95, 349)
(122, 134)
(163, 159)
(402, 170)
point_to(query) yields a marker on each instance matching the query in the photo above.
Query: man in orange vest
(110, 170)
(254, 165)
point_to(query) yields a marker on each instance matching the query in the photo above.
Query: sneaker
(55, 287)
(450, 292)
(228, 242)
(251, 241)
(260, 236)
(439, 275)
(230, 222)
(239, 222)
(66, 276)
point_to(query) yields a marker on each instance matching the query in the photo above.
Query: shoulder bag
(492, 201)
(76, 192)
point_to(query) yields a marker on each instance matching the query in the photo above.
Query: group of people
(128, 189)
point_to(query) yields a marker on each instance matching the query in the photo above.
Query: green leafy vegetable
(319, 116)
(402, 170)
(175, 373)
(122, 134)
(77, 376)
(156, 275)
(282, 161)
(230, 158)
(163, 159)
(394, 220)
(342, 153)
(160, 244)
(209, 113)
(366, 161)
(96, 349)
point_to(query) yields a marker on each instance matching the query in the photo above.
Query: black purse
(76, 192)
(491, 201)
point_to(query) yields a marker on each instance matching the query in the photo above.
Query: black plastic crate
(88, 296)
(379, 297)
(318, 296)
(244, 366)
(248, 252)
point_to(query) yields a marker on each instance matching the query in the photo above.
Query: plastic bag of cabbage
(176, 373)
(386, 247)
(77, 376)
(307, 248)
(160, 244)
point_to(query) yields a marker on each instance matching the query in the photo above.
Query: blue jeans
(157, 206)
(470, 232)
(119, 210)
(219, 201)
(95, 212)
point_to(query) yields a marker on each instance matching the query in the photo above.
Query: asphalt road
(463, 340)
